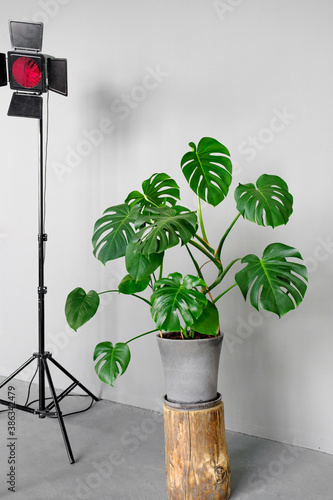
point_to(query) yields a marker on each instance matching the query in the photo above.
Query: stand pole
(42, 356)
(42, 237)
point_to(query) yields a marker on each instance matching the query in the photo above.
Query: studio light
(26, 72)
(30, 73)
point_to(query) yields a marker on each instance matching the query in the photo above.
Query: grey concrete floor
(119, 453)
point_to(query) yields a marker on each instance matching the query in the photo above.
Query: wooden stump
(196, 454)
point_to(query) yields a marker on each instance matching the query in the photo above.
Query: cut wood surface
(196, 454)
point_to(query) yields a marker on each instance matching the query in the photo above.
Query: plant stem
(184, 333)
(161, 271)
(222, 274)
(141, 298)
(202, 227)
(205, 244)
(195, 263)
(142, 335)
(219, 248)
(133, 295)
(204, 251)
(223, 293)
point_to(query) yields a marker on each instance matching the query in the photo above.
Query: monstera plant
(151, 221)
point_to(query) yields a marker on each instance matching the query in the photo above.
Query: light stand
(42, 357)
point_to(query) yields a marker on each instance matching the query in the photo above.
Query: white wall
(226, 70)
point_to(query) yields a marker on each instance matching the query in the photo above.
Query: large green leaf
(113, 231)
(176, 300)
(275, 284)
(80, 307)
(164, 227)
(139, 265)
(113, 358)
(269, 203)
(208, 321)
(158, 190)
(129, 285)
(208, 170)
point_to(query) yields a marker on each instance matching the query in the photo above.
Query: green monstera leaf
(208, 321)
(113, 358)
(208, 170)
(129, 285)
(139, 265)
(114, 231)
(80, 307)
(176, 300)
(164, 227)
(269, 203)
(274, 283)
(158, 190)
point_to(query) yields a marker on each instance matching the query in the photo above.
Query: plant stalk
(141, 298)
(202, 227)
(205, 244)
(142, 335)
(184, 333)
(222, 274)
(133, 295)
(219, 248)
(223, 293)
(161, 271)
(195, 263)
(208, 255)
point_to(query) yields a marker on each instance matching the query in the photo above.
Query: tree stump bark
(196, 454)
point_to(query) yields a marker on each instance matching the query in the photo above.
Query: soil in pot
(196, 335)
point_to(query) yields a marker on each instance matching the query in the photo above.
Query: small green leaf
(139, 265)
(164, 227)
(158, 190)
(208, 321)
(114, 231)
(176, 300)
(274, 283)
(208, 170)
(269, 203)
(80, 307)
(128, 285)
(107, 368)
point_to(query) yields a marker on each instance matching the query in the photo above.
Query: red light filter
(26, 72)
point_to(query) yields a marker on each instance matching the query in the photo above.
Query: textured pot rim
(202, 405)
(196, 340)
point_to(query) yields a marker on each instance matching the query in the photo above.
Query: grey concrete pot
(190, 368)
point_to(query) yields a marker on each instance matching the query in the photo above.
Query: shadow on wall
(112, 115)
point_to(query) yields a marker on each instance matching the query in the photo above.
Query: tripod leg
(59, 414)
(8, 379)
(69, 375)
